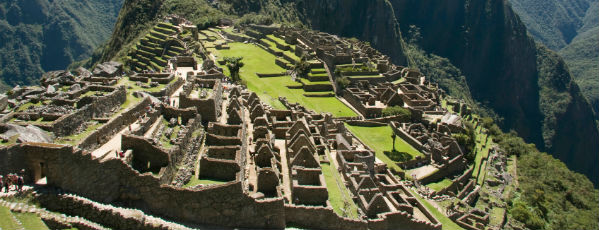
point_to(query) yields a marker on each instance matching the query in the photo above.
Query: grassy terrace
(307, 82)
(166, 140)
(366, 76)
(28, 220)
(481, 153)
(269, 89)
(230, 30)
(447, 223)
(437, 186)
(195, 181)
(75, 138)
(379, 139)
(273, 46)
(28, 105)
(339, 194)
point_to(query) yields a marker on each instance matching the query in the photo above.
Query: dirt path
(279, 143)
(113, 144)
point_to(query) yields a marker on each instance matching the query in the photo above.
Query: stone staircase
(105, 214)
(52, 220)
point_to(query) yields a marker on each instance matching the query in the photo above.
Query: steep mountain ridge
(505, 69)
(569, 27)
(43, 35)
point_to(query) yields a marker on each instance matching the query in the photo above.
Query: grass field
(195, 181)
(31, 221)
(481, 154)
(379, 139)
(437, 186)
(366, 76)
(269, 89)
(28, 220)
(337, 195)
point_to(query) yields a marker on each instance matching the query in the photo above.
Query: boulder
(108, 69)
(57, 77)
(30, 133)
(3, 102)
(75, 87)
(51, 89)
(83, 72)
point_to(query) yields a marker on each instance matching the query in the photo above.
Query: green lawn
(338, 195)
(379, 139)
(31, 221)
(269, 89)
(366, 76)
(481, 153)
(6, 220)
(437, 186)
(276, 39)
(195, 181)
(75, 138)
(447, 223)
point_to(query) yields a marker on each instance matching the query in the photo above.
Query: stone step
(126, 213)
(46, 215)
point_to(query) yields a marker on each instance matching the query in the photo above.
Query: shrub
(397, 110)
(343, 82)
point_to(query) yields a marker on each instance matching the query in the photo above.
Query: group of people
(12, 179)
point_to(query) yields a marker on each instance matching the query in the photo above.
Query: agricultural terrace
(257, 60)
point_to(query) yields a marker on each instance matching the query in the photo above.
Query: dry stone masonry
(167, 134)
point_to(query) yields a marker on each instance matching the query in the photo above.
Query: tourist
(7, 183)
(20, 183)
(121, 154)
(1, 183)
(116, 153)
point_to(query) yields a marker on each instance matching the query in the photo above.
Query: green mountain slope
(44, 35)
(554, 23)
(582, 57)
(569, 27)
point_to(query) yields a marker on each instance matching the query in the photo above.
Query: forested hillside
(43, 35)
(570, 27)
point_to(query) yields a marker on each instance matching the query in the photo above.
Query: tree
(302, 67)
(234, 64)
(343, 82)
(397, 110)
(393, 136)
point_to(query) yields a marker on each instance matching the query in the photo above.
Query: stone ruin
(198, 150)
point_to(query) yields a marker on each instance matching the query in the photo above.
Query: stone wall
(209, 108)
(103, 134)
(407, 137)
(314, 217)
(99, 107)
(145, 153)
(452, 167)
(112, 180)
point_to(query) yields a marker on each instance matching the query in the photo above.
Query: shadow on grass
(398, 156)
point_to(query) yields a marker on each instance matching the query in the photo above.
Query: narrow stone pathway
(113, 144)
(280, 143)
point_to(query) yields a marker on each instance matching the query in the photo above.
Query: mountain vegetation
(549, 195)
(569, 27)
(43, 35)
